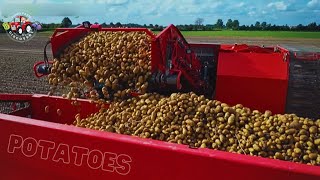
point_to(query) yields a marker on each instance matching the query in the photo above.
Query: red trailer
(37, 140)
(41, 144)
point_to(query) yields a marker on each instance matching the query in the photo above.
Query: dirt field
(17, 59)
(16, 65)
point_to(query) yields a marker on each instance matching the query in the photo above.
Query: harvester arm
(174, 65)
(42, 68)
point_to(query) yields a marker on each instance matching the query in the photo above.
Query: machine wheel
(28, 29)
(19, 31)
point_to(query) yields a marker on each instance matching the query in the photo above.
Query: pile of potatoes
(103, 65)
(110, 65)
(199, 122)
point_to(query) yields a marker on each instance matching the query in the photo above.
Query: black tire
(19, 31)
(28, 29)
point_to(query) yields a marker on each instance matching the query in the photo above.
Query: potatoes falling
(104, 65)
(199, 122)
(110, 65)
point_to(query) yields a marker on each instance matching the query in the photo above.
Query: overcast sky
(164, 12)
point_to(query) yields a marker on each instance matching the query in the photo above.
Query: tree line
(197, 26)
(258, 26)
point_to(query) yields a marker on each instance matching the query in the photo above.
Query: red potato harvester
(35, 142)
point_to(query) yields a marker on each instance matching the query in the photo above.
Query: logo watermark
(22, 27)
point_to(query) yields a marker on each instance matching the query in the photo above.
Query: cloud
(165, 12)
(280, 5)
(112, 2)
(53, 9)
(241, 4)
(251, 13)
(313, 3)
(17, 1)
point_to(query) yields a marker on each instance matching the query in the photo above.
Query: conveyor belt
(304, 87)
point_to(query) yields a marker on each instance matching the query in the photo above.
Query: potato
(186, 118)
(119, 64)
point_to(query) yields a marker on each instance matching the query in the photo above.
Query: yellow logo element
(6, 26)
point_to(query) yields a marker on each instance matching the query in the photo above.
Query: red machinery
(258, 77)
(262, 78)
